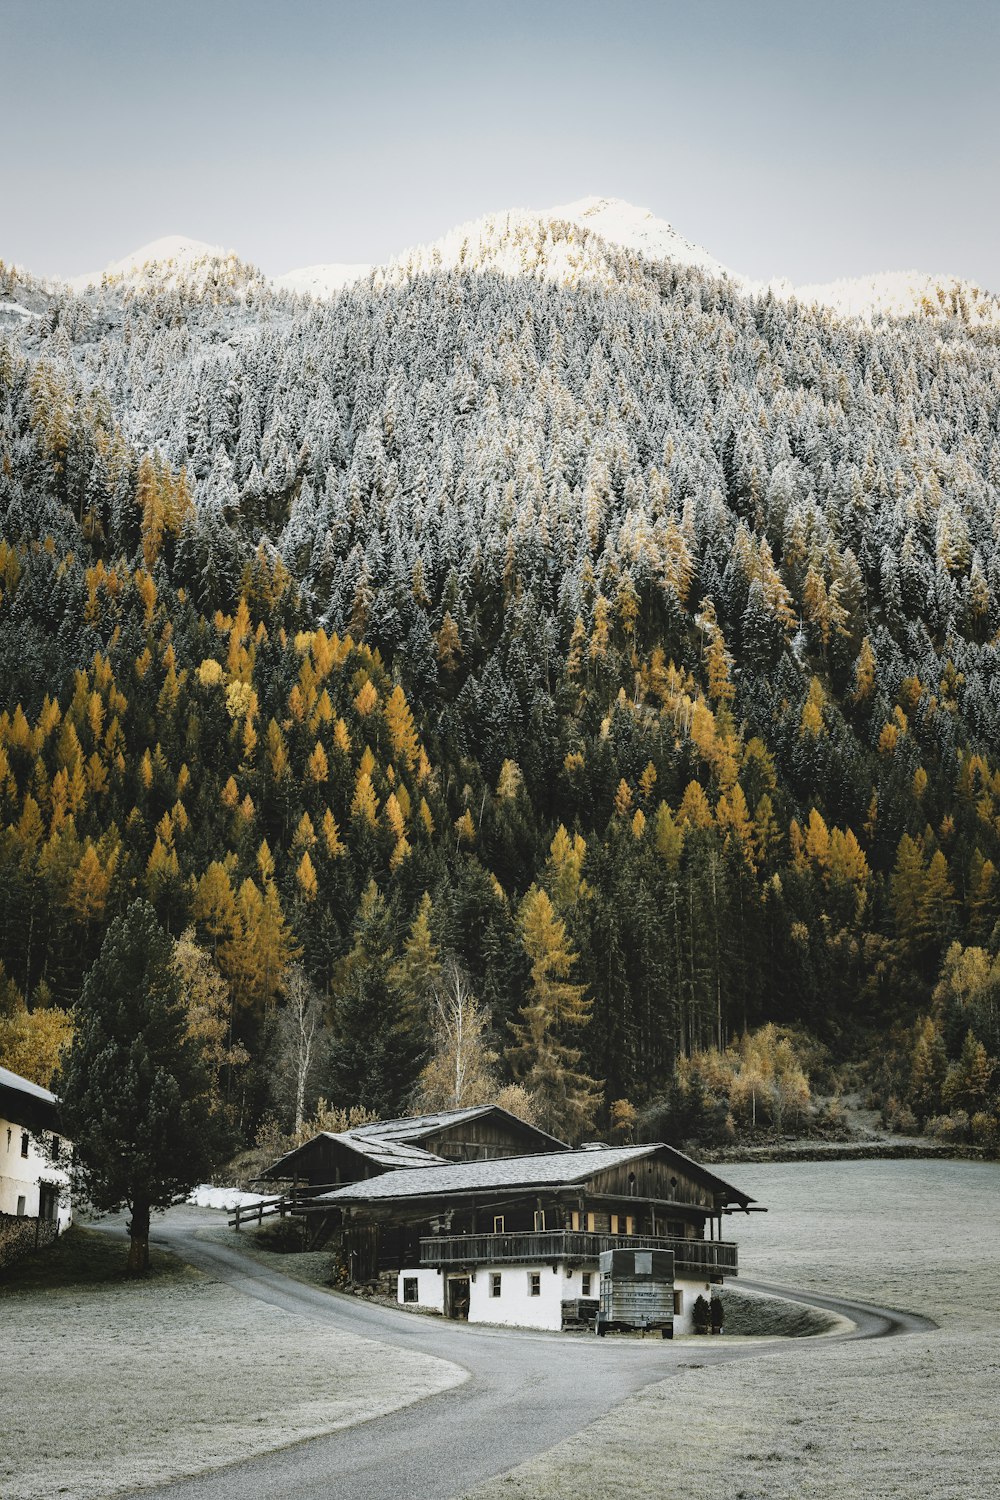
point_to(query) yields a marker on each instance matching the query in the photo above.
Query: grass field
(910, 1418)
(143, 1381)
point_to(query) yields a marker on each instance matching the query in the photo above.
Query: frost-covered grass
(910, 1418)
(109, 1385)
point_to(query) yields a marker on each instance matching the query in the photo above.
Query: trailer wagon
(637, 1291)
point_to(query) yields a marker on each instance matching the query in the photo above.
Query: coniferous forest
(534, 644)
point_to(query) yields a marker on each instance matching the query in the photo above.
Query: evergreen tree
(135, 1095)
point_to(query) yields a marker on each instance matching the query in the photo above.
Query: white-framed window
(539, 1220)
(495, 1281)
(585, 1279)
(534, 1283)
(411, 1289)
(498, 1224)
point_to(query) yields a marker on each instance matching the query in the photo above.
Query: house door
(48, 1201)
(458, 1297)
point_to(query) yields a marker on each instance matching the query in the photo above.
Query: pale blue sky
(804, 138)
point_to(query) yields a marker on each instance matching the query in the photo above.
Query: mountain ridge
(893, 294)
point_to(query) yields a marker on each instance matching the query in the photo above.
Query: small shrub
(702, 1315)
(949, 1128)
(899, 1117)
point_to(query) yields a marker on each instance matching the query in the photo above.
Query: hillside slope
(691, 595)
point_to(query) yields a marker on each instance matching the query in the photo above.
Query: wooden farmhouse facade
(503, 1224)
(34, 1181)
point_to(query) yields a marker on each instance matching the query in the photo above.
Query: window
(24, 1143)
(574, 1219)
(55, 1148)
(630, 1225)
(614, 1223)
(21, 1206)
(539, 1220)
(631, 1184)
(411, 1289)
(585, 1284)
(494, 1283)
(534, 1283)
(678, 1304)
(591, 1223)
(498, 1224)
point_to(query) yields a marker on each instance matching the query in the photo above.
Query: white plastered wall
(690, 1291)
(430, 1288)
(516, 1307)
(21, 1176)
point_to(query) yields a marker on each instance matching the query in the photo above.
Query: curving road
(526, 1391)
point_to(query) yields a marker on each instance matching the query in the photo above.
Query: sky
(809, 139)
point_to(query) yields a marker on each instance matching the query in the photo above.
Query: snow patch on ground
(206, 1195)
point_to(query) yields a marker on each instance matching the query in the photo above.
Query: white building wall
(516, 1307)
(689, 1291)
(430, 1288)
(21, 1176)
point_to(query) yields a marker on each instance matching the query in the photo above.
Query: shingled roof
(553, 1169)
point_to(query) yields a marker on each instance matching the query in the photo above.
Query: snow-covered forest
(626, 633)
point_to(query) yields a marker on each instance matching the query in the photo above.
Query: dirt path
(526, 1391)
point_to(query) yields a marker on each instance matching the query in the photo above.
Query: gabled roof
(9, 1080)
(416, 1127)
(383, 1152)
(26, 1103)
(552, 1169)
(393, 1143)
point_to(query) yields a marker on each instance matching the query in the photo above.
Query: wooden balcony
(708, 1259)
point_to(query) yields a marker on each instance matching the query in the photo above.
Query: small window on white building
(534, 1283)
(539, 1220)
(411, 1289)
(495, 1284)
(498, 1224)
(678, 1304)
(21, 1204)
(585, 1284)
(24, 1143)
(55, 1148)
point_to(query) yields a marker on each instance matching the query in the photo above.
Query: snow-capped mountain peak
(175, 252)
(624, 224)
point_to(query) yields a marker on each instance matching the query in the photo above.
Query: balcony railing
(697, 1258)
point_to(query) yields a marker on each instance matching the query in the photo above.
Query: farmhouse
(34, 1182)
(498, 1223)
